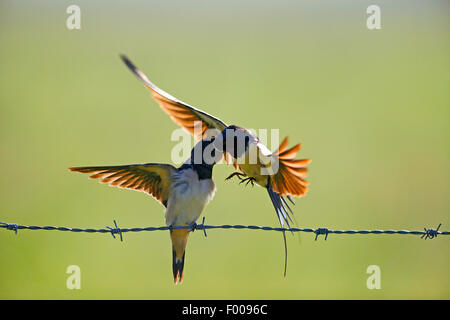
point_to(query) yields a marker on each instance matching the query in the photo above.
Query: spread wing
(152, 178)
(181, 113)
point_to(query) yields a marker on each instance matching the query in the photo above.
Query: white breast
(188, 198)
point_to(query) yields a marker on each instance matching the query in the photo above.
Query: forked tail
(179, 241)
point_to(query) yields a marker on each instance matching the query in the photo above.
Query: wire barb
(194, 226)
(319, 231)
(431, 233)
(115, 230)
(10, 226)
(203, 227)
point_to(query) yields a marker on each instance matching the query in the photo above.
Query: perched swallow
(183, 191)
(287, 180)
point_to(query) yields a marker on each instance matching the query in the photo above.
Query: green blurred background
(371, 109)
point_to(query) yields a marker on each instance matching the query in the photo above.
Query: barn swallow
(287, 180)
(183, 191)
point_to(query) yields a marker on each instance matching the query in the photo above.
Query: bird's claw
(248, 180)
(193, 226)
(237, 174)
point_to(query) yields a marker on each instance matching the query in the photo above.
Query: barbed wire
(428, 233)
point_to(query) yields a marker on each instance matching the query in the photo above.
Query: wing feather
(181, 113)
(152, 178)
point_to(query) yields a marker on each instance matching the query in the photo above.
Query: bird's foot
(193, 226)
(248, 180)
(237, 174)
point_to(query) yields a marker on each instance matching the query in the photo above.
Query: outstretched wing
(181, 113)
(152, 178)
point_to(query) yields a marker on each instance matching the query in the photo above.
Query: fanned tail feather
(289, 180)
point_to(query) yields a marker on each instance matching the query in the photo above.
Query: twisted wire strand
(428, 233)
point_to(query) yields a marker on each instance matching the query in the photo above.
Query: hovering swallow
(183, 191)
(287, 180)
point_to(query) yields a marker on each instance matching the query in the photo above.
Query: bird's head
(205, 153)
(234, 140)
